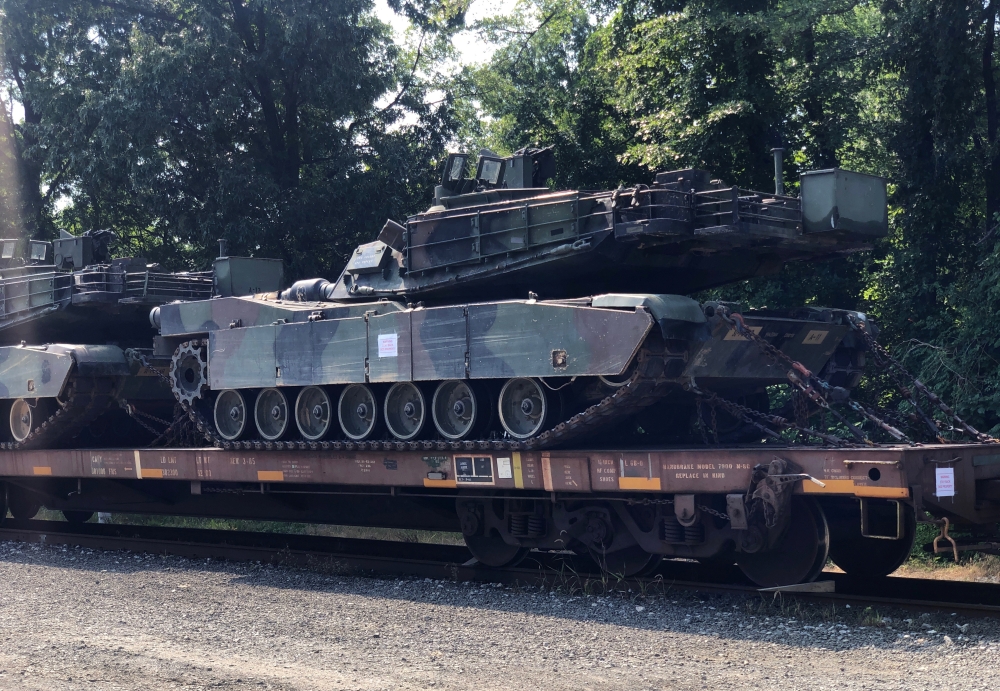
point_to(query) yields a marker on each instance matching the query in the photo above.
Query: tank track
(86, 399)
(647, 385)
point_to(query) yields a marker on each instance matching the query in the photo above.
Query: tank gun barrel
(309, 290)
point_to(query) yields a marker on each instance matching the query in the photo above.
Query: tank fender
(100, 360)
(513, 338)
(678, 316)
(34, 371)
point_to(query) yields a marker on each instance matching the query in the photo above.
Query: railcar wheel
(26, 417)
(76, 517)
(271, 414)
(22, 504)
(455, 409)
(313, 413)
(523, 408)
(230, 414)
(867, 557)
(491, 550)
(357, 412)
(405, 410)
(626, 563)
(800, 554)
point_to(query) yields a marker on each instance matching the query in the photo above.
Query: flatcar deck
(777, 510)
(885, 472)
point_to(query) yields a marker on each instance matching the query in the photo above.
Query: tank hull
(583, 361)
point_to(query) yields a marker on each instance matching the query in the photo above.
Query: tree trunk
(826, 155)
(29, 170)
(32, 204)
(992, 171)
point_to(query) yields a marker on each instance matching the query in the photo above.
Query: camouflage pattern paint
(202, 316)
(328, 350)
(42, 371)
(517, 339)
(480, 341)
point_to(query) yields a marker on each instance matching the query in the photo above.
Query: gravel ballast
(82, 619)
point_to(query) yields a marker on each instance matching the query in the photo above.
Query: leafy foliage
(902, 88)
(544, 86)
(294, 128)
(290, 128)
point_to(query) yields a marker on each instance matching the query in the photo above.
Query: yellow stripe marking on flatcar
(882, 492)
(271, 475)
(518, 475)
(41, 470)
(647, 483)
(848, 487)
(832, 487)
(156, 473)
(439, 483)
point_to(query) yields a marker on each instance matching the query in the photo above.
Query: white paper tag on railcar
(944, 482)
(503, 469)
(388, 345)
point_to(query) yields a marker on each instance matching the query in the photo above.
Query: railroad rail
(383, 558)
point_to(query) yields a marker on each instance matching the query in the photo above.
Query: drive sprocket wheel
(189, 372)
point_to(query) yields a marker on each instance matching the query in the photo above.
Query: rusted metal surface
(883, 472)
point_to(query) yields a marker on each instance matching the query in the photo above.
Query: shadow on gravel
(566, 599)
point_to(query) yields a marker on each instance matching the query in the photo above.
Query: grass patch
(392, 534)
(972, 566)
(982, 568)
(283, 527)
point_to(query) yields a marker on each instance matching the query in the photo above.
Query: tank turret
(501, 233)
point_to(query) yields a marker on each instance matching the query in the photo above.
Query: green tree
(543, 86)
(55, 56)
(291, 128)
(261, 122)
(936, 289)
(695, 85)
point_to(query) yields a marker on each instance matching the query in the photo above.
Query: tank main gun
(501, 232)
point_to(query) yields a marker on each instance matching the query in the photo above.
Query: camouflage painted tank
(71, 318)
(432, 335)
(500, 234)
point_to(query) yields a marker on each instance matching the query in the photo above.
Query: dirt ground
(77, 619)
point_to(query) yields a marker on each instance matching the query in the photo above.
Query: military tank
(73, 319)
(512, 315)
